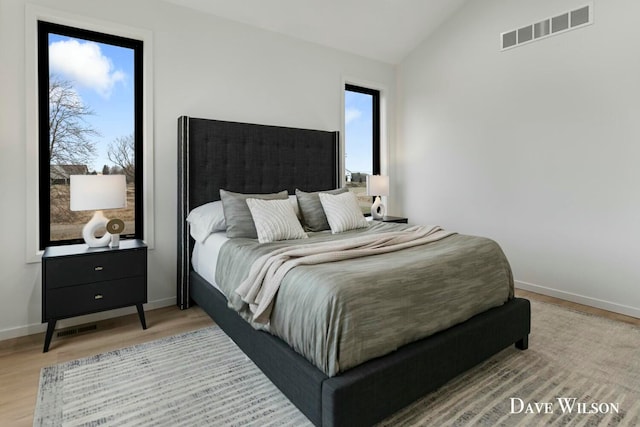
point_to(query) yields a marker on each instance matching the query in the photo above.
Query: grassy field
(360, 190)
(67, 224)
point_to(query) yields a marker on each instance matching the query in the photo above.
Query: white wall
(536, 147)
(204, 67)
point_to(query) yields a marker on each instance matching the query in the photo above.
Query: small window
(90, 122)
(560, 23)
(509, 39)
(580, 16)
(525, 34)
(361, 140)
(542, 28)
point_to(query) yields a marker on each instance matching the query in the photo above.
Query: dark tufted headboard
(245, 158)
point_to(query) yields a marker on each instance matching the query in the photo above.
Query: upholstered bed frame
(253, 158)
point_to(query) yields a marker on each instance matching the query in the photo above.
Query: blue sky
(358, 132)
(102, 76)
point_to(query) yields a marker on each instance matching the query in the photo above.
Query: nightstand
(396, 219)
(78, 280)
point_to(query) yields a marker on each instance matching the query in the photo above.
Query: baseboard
(580, 299)
(36, 328)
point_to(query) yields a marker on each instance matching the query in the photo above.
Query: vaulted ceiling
(385, 30)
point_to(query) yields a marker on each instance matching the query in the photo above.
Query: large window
(362, 140)
(90, 122)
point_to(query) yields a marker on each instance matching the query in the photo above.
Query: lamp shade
(98, 192)
(377, 185)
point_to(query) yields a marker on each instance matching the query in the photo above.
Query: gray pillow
(313, 216)
(237, 214)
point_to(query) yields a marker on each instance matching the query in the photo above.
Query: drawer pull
(98, 296)
(98, 268)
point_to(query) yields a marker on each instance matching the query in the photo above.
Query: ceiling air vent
(551, 26)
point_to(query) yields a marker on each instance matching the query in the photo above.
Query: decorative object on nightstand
(377, 185)
(115, 227)
(77, 280)
(98, 192)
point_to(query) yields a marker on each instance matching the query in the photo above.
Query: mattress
(204, 258)
(339, 315)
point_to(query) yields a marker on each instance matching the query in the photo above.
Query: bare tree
(70, 140)
(122, 153)
(69, 133)
(116, 170)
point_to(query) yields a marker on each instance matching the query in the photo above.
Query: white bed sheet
(204, 258)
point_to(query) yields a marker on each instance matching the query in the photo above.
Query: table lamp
(98, 192)
(377, 185)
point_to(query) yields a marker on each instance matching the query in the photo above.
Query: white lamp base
(89, 231)
(377, 209)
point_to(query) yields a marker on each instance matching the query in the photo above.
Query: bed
(249, 158)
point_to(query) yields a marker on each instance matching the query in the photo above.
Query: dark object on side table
(396, 219)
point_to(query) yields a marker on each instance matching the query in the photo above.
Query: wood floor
(579, 307)
(21, 358)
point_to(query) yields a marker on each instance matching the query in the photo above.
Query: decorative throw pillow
(237, 214)
(296, 208)
(275, 220)
(206, 219)
(343, 212)
(313, 216)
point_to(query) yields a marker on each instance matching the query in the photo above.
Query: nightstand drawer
(77, 300)
(73, 270)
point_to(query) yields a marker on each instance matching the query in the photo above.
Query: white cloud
(85, 64)
(351, 114)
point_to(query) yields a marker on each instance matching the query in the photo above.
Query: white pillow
(275, 220)
(296, 208)
(342, 211)
(206, 219)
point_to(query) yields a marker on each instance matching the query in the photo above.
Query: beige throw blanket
(267, 272)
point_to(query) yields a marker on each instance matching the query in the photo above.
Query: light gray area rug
(201, 378)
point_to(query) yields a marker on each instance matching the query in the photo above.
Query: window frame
(376, 122)
(46, 28)
(377, 133)
(33, 13)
